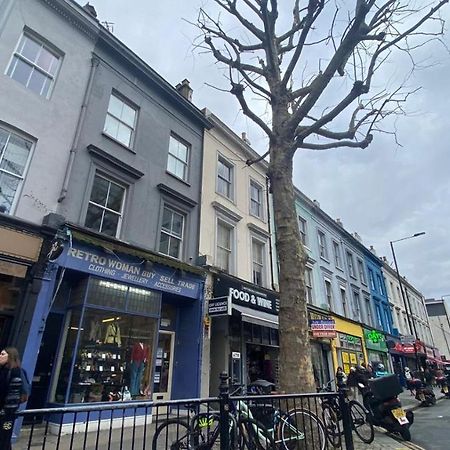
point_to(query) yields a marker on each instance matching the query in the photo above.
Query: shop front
(119, 328)
(348, 349)
(323, 330)
(19, 251)
(377, 351)
(244, 331)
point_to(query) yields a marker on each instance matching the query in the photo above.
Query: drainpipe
(76, 137)
(270, 234)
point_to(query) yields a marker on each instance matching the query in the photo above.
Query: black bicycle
(332, 419)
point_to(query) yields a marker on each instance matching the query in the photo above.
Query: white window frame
(350, 263)
(329, 293)
(368, 310)
(172, 235)
(34, 66)
(222, 160)
(232, 250)
(262, 264)
(344, 300)
(337, 254)
(111, 180)
(309, 285)
(128, 103)
(259, 202)
(322, 239)
(25, 169)
(185, 164)
(361, 271)
(356, 300)
(303, 230)
(372, 280)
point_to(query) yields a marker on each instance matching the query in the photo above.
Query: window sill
(325, 259)
(178, 178)
(106, 135)
(230, 199)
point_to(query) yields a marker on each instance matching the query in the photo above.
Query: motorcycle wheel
(405, 434)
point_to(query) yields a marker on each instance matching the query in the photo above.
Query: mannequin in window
(95, 330)
(113, 334)
(139, 356)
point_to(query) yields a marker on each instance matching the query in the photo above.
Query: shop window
(107, 355)
(274, 340)
(265, 332)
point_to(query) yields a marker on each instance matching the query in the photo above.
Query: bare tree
(314, 64)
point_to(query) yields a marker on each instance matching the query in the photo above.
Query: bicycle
(294, 429)
(332, 417)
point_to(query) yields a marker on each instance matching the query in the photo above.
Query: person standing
(10, 392)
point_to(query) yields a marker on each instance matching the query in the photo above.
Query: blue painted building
(378, 293)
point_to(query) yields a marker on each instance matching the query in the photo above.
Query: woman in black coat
(10, 392)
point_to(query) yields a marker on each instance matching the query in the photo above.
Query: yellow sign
(353, 359)
(345, 359)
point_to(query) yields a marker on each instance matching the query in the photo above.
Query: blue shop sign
(97, 262)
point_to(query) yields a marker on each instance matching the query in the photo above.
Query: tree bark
(296, 374)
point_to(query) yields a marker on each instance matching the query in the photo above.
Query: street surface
(430, 428)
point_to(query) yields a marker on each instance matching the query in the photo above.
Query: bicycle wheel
(361, 422)
(253, 435)
(172, 434)
(331, 423)
(205, 431)
(301, 429)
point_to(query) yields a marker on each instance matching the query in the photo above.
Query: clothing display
(136, 370)
(113, 334)
(139, 352)
(95, 331)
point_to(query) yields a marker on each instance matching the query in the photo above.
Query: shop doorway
(162, 378)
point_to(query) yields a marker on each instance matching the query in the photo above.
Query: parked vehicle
(380, 397)
(424, 393)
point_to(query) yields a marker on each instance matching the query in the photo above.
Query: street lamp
(406, 298)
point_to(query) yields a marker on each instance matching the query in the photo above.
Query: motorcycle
(380, 397)
(424, 394)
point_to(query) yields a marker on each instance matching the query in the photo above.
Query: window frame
(309, 285)
(223, 160)
(174, 210)
(262, 264)
(129, 103)
(337, 255)
(361, 271)
(29, 34)
(368, 310)
(220, 221)
(329, 292)
(350, 264)
(260, 189)
(357, 305)
(188, 157)
(303, 229)
(322, 245)
(112, 180)
(372, 280)
(344, 300)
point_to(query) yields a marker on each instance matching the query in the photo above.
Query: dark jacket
(10, 390)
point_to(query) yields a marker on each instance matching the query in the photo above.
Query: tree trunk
(296, 374)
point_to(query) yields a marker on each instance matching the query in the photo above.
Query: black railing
(225, 422)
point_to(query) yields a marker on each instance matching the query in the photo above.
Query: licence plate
(445, 389)
(400, 415)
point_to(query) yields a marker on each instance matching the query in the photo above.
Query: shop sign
(101, 264)
(408, 348)
(323, 328)
(219, 306)
(19, 244)
(246, 294)
(407, 339)
(349, 341)
(12, 269)
(375, 340)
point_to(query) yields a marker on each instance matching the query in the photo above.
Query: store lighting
(112, 319)
(76, 328)
(140, 291)
(110, 285)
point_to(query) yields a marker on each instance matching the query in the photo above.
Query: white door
(162, 378)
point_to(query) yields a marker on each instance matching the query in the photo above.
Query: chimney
(316, 202)
(357, 237)
(90, 10)
(339, 222)
(373, 250)
(245, 138)
(185, 89)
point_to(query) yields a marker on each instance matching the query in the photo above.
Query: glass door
(162, 379)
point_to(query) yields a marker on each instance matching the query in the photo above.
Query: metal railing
(226, 422)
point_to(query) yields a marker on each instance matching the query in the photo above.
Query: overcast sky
(385, 192)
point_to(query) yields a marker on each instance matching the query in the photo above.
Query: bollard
(345, 411)
(224, 394)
